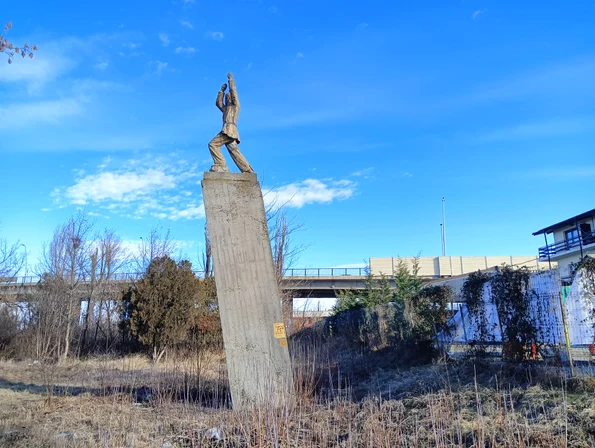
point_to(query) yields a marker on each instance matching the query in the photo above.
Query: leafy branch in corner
(8, 48)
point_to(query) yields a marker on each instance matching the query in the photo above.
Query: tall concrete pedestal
(258, 362)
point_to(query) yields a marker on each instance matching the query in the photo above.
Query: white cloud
(363, 172)
(406, 174)
(273, 9)
(310, 191)
(299, 55)
(164, 38)
(187, 24)
(101, 65)
(556, 127)
(362, 26)
(158, 187)
(160, 67)
(131, 45)
(477, 13)
(21, 115)
(215, 35)
(193, 212)
(188, 1)
(185, 50)
(54, 59)
(119, 187)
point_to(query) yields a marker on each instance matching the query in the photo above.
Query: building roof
(566, 222)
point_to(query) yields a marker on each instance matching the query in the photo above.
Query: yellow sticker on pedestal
(279, 330)
(283, 342)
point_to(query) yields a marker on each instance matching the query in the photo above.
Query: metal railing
(134, 276)
(562, 246)
(325, 272)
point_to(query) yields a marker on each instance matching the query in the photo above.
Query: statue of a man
(229, 133)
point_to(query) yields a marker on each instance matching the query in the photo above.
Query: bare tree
(12, 258)
(10, 49)
(207, 256)
(65, 263)
(158, 244)
(107, 257)
(281, 228)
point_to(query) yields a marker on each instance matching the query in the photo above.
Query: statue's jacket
(231, 111)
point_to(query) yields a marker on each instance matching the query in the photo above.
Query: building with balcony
(573, 239)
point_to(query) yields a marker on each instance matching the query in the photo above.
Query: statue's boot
(219, 169)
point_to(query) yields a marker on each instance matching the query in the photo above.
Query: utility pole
(443, 227)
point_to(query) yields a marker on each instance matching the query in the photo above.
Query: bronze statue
(229, 133)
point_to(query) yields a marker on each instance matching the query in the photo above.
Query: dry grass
(128, 402)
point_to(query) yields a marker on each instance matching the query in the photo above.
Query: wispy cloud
(558, 173)
(188, 1)
(101, 65)
(555, 127)
(187, 24)
(185, 50)
(310, 191)
(159, 67)
(363, 172)
(568, 80)
(215, 35)
(150, 187)
(24, 115)
(273, 9)
(299, 55)
(57, 59)
(477, 13)
(164, 38)
(362, 26)
(131, 45)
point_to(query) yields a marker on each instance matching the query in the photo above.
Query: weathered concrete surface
(258, 363)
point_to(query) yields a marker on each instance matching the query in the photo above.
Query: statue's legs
(219, 164)
(238, 158)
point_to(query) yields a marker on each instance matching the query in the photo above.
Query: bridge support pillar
(256, 350)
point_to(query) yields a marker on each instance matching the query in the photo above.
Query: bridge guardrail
(132, 276)
(325, 272)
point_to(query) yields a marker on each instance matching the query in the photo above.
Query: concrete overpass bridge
(304, 282)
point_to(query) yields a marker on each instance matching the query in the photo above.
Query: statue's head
(227, 98)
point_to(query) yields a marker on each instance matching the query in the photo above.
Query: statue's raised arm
(232, 90)
(220, 95)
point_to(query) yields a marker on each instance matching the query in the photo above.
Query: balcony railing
(561, 246)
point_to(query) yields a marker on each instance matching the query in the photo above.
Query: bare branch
(11, 50)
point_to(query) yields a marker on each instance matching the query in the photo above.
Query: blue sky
(365, 113)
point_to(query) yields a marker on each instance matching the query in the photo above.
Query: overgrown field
(130, 402)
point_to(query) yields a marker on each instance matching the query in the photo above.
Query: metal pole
(443, 229)
(580, 237)
(566, 335)
(547, 249)
(442, 238)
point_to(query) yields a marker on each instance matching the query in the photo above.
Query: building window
(571, 236)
